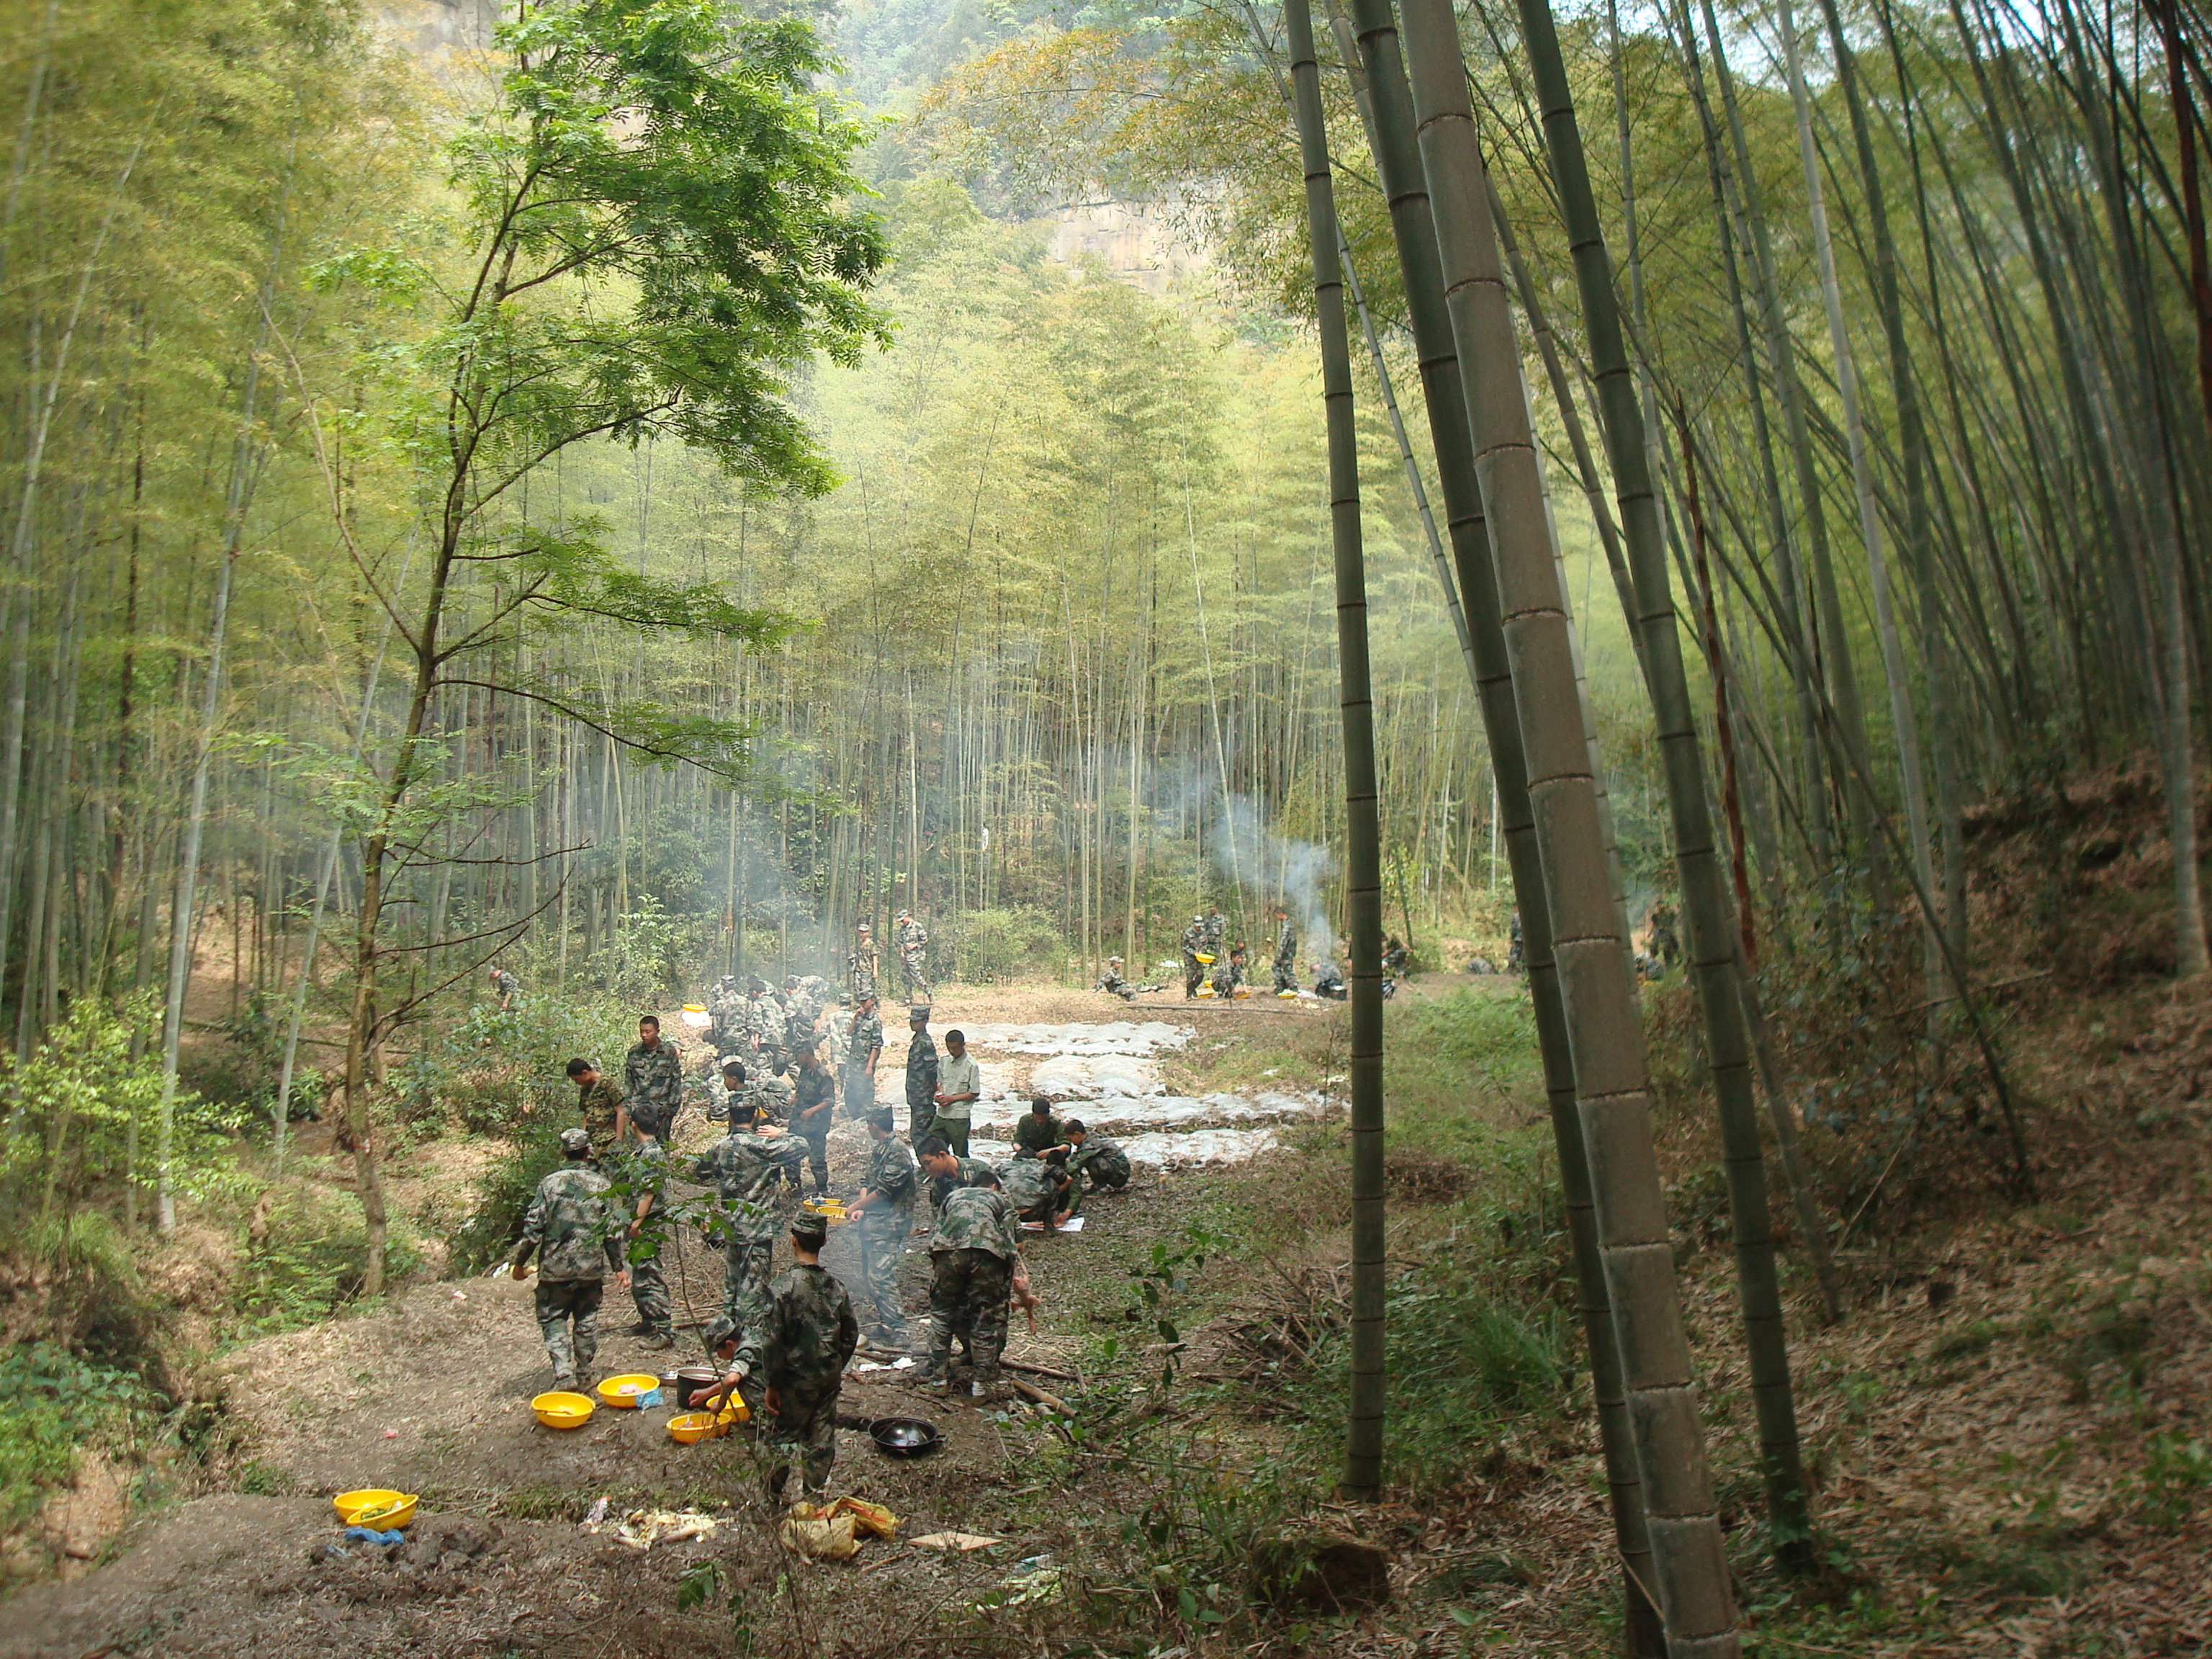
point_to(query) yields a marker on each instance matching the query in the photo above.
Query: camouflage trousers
(967, 1300)
(1107, 1172)
(882, 1243)
(914, 968)
(802, 1433)
(648, 1288)
(818, 1156)
(747, 1265)
(857, 1090)
(560, 1301)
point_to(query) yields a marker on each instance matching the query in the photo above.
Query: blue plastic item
(370, 1535)
(650, 1397)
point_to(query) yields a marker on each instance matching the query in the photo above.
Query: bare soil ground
(1983, 1431)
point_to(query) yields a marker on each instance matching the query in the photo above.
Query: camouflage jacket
(764, 1017)
(865, 965)
(1023, 1180)
(1286, 946)
(867, 1033)
(1193, 939)
(644, 1171)
(653, 1080)
(1033, 1133)
(976, 1219)
(506, 983)
(971, 1170)
(811, 1088)
(1095, 1149)
(893, 1173)
(803, 1345)
(910, 937)
(921, 1072)
(570, 1228)
(597, 1104)
(742, 1168)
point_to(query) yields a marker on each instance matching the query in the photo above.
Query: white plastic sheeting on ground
(1118, 1115)
(1189, 1150)
(1088, 1077)
(1119, 1037)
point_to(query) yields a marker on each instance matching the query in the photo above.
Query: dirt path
(431, 1393)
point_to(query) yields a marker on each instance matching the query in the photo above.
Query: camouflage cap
(920, 1010)
(720, 1329)
(882, 1118)
(809, 1229)
(575, 1142)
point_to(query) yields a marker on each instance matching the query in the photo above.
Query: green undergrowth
(54, 1404)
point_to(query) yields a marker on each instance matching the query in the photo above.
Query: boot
(639, 1329)
(660, 1339)
(564, 1382)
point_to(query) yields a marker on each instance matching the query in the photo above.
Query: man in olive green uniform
(652, 1081)
(959, 1086)
(864, 964)
(744, 1170)
(921, 1077)
(864, 1047)
(885, 1209)
(799, 1349)
(1097, 1165)
(599, 1103)
(1286, 952)
(975, 1264)
(578, 1243)
(1037, 1131)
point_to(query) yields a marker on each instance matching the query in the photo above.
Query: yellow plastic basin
(622, 1392)
(374, 1506)
(562, 1410)
(690, 1427)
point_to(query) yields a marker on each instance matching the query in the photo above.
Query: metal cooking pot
(904, 1437)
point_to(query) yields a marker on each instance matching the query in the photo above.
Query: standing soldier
(505, 986)
(726, 1009)
(813, 1103)
(885, 1207)
(975, 1265)
(865, 963)
(1194, 945)
(914, 955)
(647, 1178)
(799, 1348)
(1286, 954)
(577, 1242)
(920, 1075)
(959, 1085)
(1515, 956)
(862, 1051)
(653, 1079)
(599, 1103)
(744, 1169)
(1661, 940)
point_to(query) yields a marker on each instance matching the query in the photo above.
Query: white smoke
(1262, 862)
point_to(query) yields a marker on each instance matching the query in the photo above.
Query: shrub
(52, 1403)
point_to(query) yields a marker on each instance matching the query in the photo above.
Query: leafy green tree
(662, 236)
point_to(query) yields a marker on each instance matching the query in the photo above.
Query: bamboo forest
(1348, 829)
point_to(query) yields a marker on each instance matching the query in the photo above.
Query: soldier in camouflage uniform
(1095, 1163)
(799, 1348)
(725, 1009)
(653, 1080)
(813, 1105)
(745, 1170)
(1286, 952)
(921, 1077)
(975, 1267)
(864, 1047)
(645, 1174)
(599, 1103)
(507, 987)
(947, 1170)
(577, 1241)
(885, 1209)
(1193, 943)
(914, 955)
(864, 964)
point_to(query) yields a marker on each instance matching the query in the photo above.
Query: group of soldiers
(784, 1340)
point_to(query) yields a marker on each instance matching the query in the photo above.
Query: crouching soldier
(1097, 1165)
(799, 1349)
(578, 1242)
(977, 1265)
